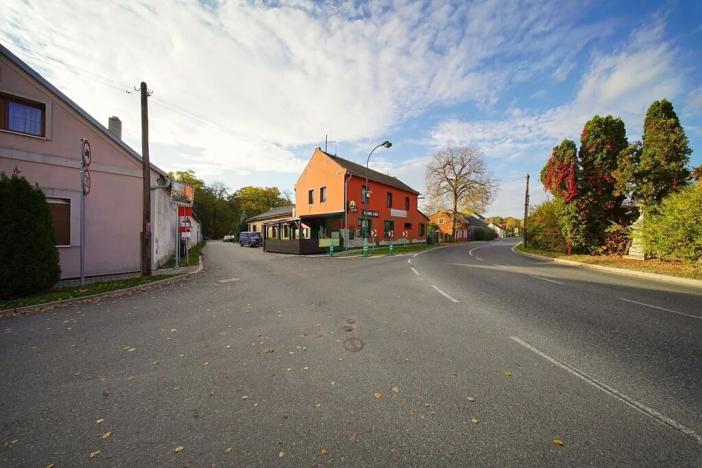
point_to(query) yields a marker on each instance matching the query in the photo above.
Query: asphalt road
(247, 364)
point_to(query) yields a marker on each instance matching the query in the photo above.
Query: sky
(244, 91)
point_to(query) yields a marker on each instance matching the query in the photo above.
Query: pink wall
(113, 207)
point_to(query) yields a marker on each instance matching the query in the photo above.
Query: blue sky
(244, 91)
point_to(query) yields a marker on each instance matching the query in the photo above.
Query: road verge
(618, 271)
(46, 306)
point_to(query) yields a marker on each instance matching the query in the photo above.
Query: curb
(617, 271)
(27, 310)
(405, 254)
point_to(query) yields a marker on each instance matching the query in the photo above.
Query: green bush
(544, 227)
(29, 261)
(617, 240)
(673, 230)
(481, 234)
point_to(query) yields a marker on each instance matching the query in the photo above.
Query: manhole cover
(350, 321)
(353, 345)
(347, 328)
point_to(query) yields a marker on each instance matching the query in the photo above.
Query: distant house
(333, 206)
(279, 213)
(40, 136)
(444, 221)
(499, 229)
(476, 222)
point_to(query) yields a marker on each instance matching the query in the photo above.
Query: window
(421, 229)
(61, 213)
(310, 196)
(22, 116)
(408, 226)
(407, 203)
(322, 194)
(364, 194)
(441, 220)
(389, 228)
(363, 230)
(389, 199)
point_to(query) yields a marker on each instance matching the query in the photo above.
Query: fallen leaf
(470, 398)
(179, 449)
(94, 454)
(206, 364)
(12, 442)
(324, 451)
(106, 435)
(377, 395)
(306, 368)
(100, 421)
(281, 454)
(268, 350)
(228, 450)
(474, 420)
(173, 330)
(50, 465)
(558, 442)
(245, 397)
(426, 404)
(131, 377)
(131, 350)
(396, 389)
(508, 373)
(291, 352)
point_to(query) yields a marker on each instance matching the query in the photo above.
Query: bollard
(365, 250)
(331, 250)
(391, 252)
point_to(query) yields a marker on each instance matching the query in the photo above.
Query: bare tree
(458, 180)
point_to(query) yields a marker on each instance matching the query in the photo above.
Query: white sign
(398, 213)
(186, 234)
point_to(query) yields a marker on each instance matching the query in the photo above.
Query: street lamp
(366, 193)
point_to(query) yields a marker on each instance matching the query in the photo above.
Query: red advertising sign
(185, 211)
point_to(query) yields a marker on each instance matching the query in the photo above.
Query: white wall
(163, 216)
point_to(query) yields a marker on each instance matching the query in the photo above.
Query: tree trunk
(453, 217)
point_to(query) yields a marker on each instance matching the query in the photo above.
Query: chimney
(115, 127)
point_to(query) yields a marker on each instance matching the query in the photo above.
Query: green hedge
(673, 230)
(29, 261)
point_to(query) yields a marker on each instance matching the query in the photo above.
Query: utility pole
(526, 212)
(146, 176)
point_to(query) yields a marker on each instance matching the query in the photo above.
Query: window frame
(421, 229)
(5, 100)
(407, 203)
(60, 201)
(323, 194)
(388, 199)
(391, 223)
(310, 197)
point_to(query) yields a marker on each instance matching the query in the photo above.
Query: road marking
(661, 308)
(650, 412)
(414, 271)
(478, 258)
(546, 279)
(230, 280)
(409, 260)
(470, 252)
(444, 294)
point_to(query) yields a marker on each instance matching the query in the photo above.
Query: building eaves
(360, 171)
(55, 91)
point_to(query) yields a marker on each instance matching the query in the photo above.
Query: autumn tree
(662, 166)
(457, 180)
(599, 203)
(559, 175)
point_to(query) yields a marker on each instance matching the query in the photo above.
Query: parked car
(250, 239)
(229, 238)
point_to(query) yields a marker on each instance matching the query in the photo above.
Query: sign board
(352, 206)
(182, 193)
(187, 235)
(328, 242)
(398, 213)
(185, 211)
(371, 214)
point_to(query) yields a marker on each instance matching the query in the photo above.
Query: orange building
(330, 208)
(444, 221)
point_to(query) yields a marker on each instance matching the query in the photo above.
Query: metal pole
(526, 212)
(177, 238)
(82, 216)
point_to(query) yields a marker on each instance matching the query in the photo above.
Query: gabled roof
(274, 213)
(474, 221)
(360, 171)
(66, 100)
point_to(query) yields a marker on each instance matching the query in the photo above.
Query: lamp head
(387, 144)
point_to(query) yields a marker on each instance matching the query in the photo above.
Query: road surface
(469, 355)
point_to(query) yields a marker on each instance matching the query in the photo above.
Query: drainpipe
(346, 209)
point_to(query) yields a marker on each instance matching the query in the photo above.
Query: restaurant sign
(371, 214)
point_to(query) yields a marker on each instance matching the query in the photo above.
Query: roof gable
(75, 107)
(360, 171)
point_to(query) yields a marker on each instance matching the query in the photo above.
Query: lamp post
(366, 194)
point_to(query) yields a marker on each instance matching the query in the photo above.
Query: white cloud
(273, 79)
(622, 83)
